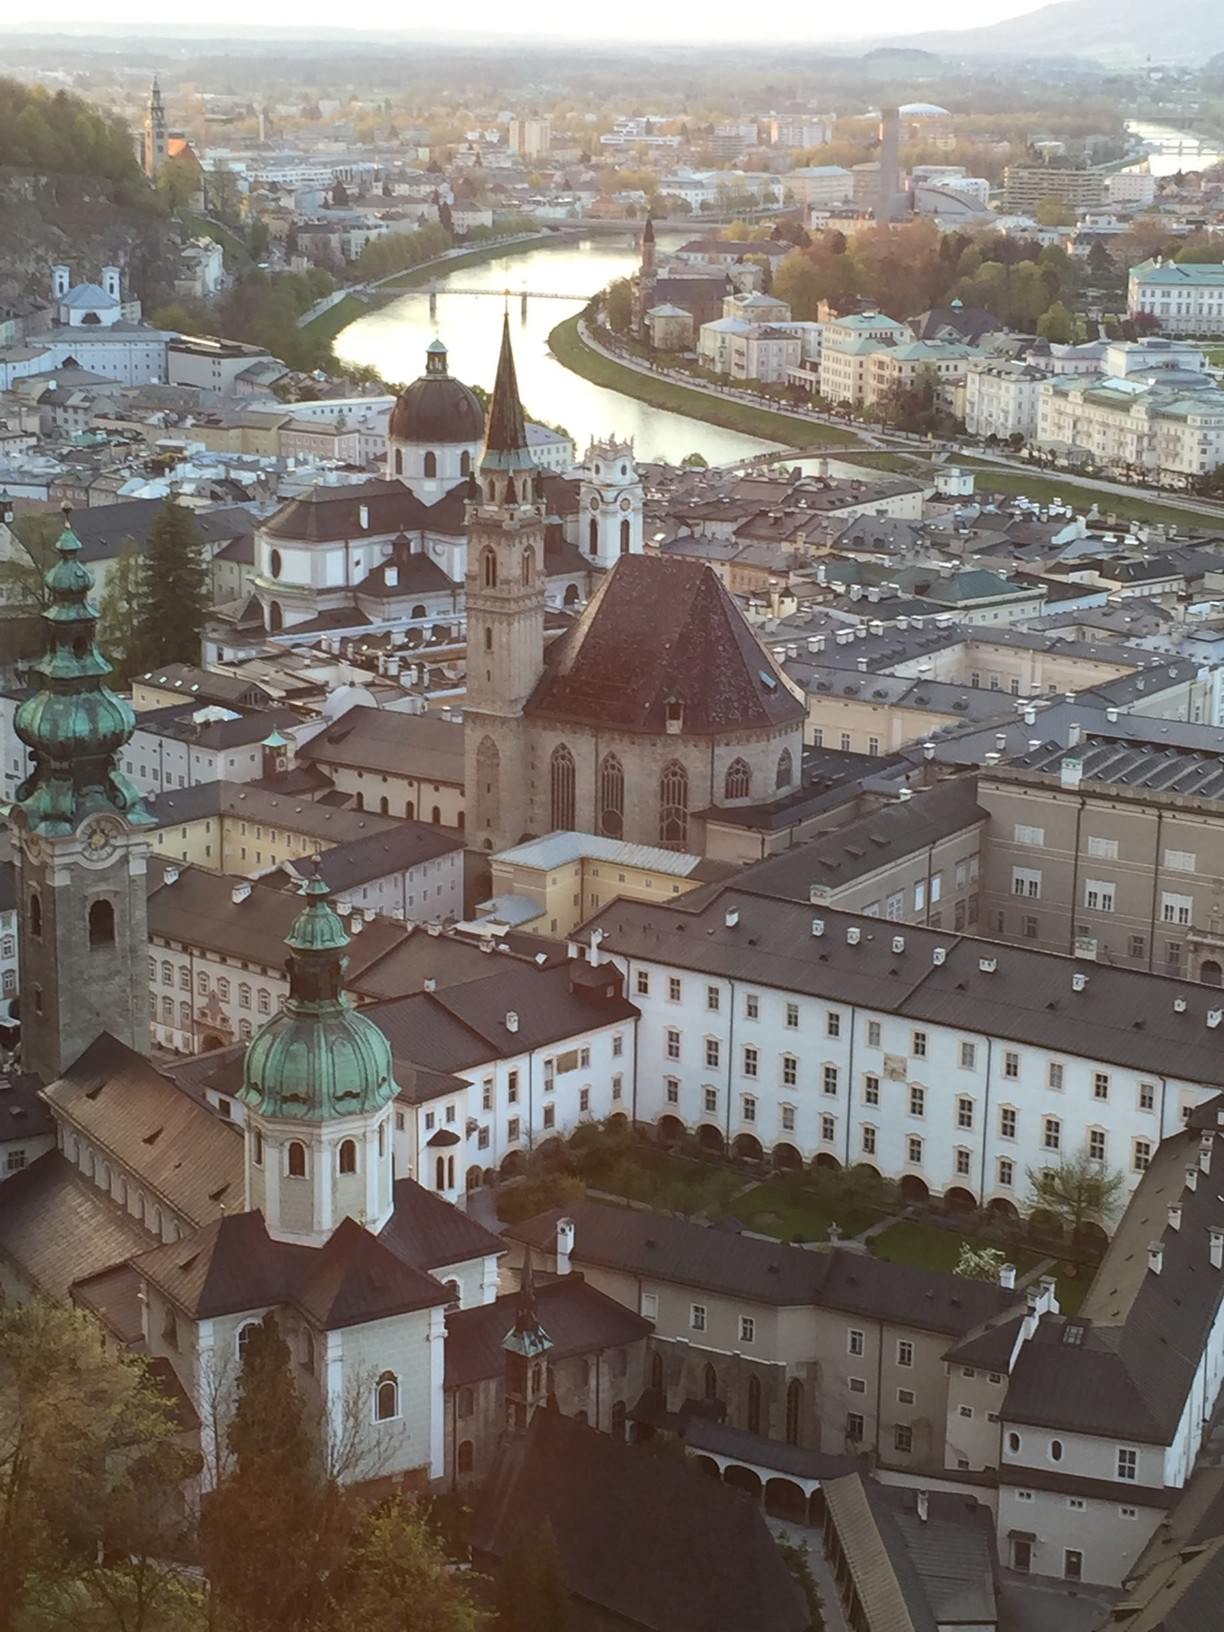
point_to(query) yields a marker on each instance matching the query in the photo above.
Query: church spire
(527, 1336)
(527, 1345)
(506, 438)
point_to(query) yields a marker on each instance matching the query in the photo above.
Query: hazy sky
(632, 20)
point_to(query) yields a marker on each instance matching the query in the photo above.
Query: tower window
(431, 464)
(386, 1398)
(561, 773)
(399, 461)
(295, 1159)
(624, 537)
(593, 546)
(488, 640)
(673, 805)
(528, 567)
(465, 463)
(612, 797)
(488, 569)
(102, 923)
(467, 1456)
(35, 914)
(738, 784)
(785, 769)
(348, 1156)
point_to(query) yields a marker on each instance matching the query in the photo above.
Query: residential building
(1003, 399)
(1184, 299)
(529, 136)
(1136, 187)
(817, 186)
(1177, 430)
(800, 130)
(847, 346)
(1025, 185)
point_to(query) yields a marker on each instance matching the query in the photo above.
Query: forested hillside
(59, 134)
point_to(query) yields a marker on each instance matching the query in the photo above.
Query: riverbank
(571, 350)
(1044, 487)
(495, 250)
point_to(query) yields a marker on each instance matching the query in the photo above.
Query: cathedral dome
(318, 1059)
(436, 408)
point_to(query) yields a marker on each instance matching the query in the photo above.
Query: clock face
(594, 502)
(98, 841)
(626, 504)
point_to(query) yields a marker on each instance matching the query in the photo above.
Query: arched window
(488, 638)
(467, 1457)
(384, 806)
(34, 915)
(244, 1338)
(382, 1139)
(754, 1405)
(488, 779)
(348, 1156)
(465, 463)
(409, 809)
(276, 618)
(794, 1410)
(738, 784)
(625, 536)
(399, 461)
(673, 806)
(386, 1398)
(528, 567)
(431, 464)
(612, 797)
(511, 491)
(167, 972)
(223, 988)
(257, 1148)
(488, 568)
(359, 800)
(435, 815)
(440, 1173)
(185, 1016)
(657, 1379)
(709, 1382)
(561, 788)
(786, 769)
(295, 1159)
(456, 1294)
(593, 537)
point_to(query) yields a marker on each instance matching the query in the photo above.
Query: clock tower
(81, 848)
(610, 504)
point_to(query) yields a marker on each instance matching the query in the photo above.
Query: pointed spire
(527, 1336)
(648, 236)
(507, 432)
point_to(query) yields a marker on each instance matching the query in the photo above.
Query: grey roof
(1146, 769)
(1181, 1594)
(57, 1227)
(578, 1318)
(242, 729)
(105, 529)
(384, 740)
(348, 866)
(260, 805)
(428, 1233)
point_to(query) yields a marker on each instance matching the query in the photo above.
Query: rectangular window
(650, 1306)
(854, 1425)
(584, 1059)
(1181, 861)
(829, 1079)
(790, 1070)
(905, 1352)
(1007, 1172)
(871, 1089)
(747, 1329)
(713, 999)
(963, 1159)
(788, 1118)
(869, 1140)
(857, 1385)
(1138, 946)
(1034, 836)
(712, 1052)
(1103, 849)
(749, 1108)
(913, 1148)
(550, 1116)
(1175, 909)
(833, 1024)
(1099, 894)
(673, 989)
(752, 1006)
(1007, 1122)
(968, 1056)
(1026, 881)
(1051, 1133)
(964, 1112)
(1011, 1064)
(1030, 927)
(1147, 1096)
(905, 1396)
(828, 1129)
(1054, 1076)
(1128, 1463)
(486, 1095)
(1100, 1085)
(673, 1043)
(697, 1317)
(750, 1062)
(903, 1438)
(643, 983)
(966, 1411)
(710, 1100)
(873, 1034)
(618, 1085)
(855, 1341)
(919, 1045)
(1142, 1158)
(917, 1101)
(671, 1086)
(618, 1045)
(920, 895)
(512, 1129)
(1096, 1144)
(894, 907)
(792, 1017)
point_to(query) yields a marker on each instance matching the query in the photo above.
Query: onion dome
(73, 725)
(318, 1059)
(436, 408)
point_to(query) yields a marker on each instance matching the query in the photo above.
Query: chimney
(565, 1244)
(921, 1502)
(1155, 1257)
(1111, 714)
(928, 750)
(939, 955)
(171, 875)
(1074, 734)
(1216, 1246)
(1032, 1314)
(1078, 981)
(1071, 771)
(898, 943)
(1205, 1144)
(818, 926)
(1000, 740)
(853, 935)
(1007, 1277)
(429, 984)
(904, 794)
(595, 956)
(239, 893)
(731, 917)
(1192, 1174)
(512, 1020)
(988, 966)
(1175, 1213)
(1030, 715)
(1180, 1005)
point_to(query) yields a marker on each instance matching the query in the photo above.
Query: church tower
(318, 1085)
(504, 595)
(610, 504)
(155, 133)
(647, 277)
(526, 1347)
(80, 843)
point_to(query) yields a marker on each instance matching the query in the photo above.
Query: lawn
(1072, 1292)
(199, 226)
(926, 1246)
(793, 1212)
(666, 1183)
(567, 347)
(1038, 488)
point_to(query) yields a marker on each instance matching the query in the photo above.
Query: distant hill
(1109, 31)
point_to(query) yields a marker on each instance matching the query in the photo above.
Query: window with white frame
(673, 1043)
(968, 1056)
(1175, 909)
(918, 1046)
(913, 1149)
(894, 907)
(713, 999)
(1011, 1064)
(1006, 1171)
(749, 1108)
(1181, 861)
(792, 1017)
(1100, 1085)
(1054, 1076)
(751, 1061)
(712, 1052)
(1096, 1144)
(747, 1329)
(833, 1024)
(920, 895)
(873, 1034)
(671, 1090)
(673, 989)
(1026, 881)
(1128, 1463)
(869, 1140)
(828, 1078)
(1007, 1121)
(650, 1306)
(1141, 1157)
(788, 1118)
(871, 1089)
(752, 1006)
(828, 1129)
(710, 1100)
(855, 1341)
(1102, 849)
(917, 1100)
(964, 1112)
(1023, 834)
(857, 1385)
(697, 1317)
(1051, 1133)
(963, 1162)
(905, 1352)
(790, 1070)
(1147, 1096)
(643, 983)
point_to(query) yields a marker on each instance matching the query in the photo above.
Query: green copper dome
(318, 1059)
(74, 725)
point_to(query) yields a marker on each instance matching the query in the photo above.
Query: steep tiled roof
(578, 1319)
(659, 632)
(57, 1227)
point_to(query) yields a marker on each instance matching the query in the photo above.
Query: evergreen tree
(274, 1529)
(173, 593)
(531, 1590)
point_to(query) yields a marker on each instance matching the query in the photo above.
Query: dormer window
(675, 715)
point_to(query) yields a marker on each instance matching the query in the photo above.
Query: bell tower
(155, 133)
(81, 846)
(527, 1346)
(610, 504)
(504, 595)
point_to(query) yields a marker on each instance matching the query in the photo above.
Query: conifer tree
(174, 593)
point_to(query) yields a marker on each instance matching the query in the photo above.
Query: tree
(1078, 1191)
(89, 1468)
(120, 614)
(694, 461)
(29, 553)
(180, 181)
(274, 1530)
(173, 597)
(396, 1578)
(979, 1263)
(531, 1590)
(1099, 262)
(618, 306)
(1053, 211)
(340, 195)
(1057, 324)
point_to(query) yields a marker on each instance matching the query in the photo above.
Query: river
(1174, 149)
(393, 340)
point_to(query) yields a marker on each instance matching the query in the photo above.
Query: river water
(393, 340)
(1174, 149)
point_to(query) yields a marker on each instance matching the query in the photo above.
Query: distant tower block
(888, 207)
(610, 504)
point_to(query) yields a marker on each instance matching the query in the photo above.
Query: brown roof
(168, 1141)
(578, 1318)
(57, 1227)
(376, 739)
(660, 631)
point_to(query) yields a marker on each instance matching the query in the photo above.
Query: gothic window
(467, 1456)
(488, 568)
(739, 780)
(386, 1398)
(465, 463)
(488, 774)
(709, 1378)
(488, 640)
(673, 805)
(786, 769)
(431, 464)
(101, 923)
(754, 1405)
(348, 1156)
(528, 568)
(295, 1159)
(399, 461)
(511, 491)
(794, 1410)
(244, 1338)
(625, 536)
(657, 1379)
(440, 1173)
(612, 797)
(561, 788)
(593, 546)
(35, 914)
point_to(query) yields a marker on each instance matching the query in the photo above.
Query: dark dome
(436, 408)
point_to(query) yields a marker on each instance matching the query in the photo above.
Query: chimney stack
(1192, 1174)
(1155, 1257)
(1007, 1277)
(1216, 1236)
(1205, 1144)
(1175, 1215)
(922, 1506)
(565, 1244)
